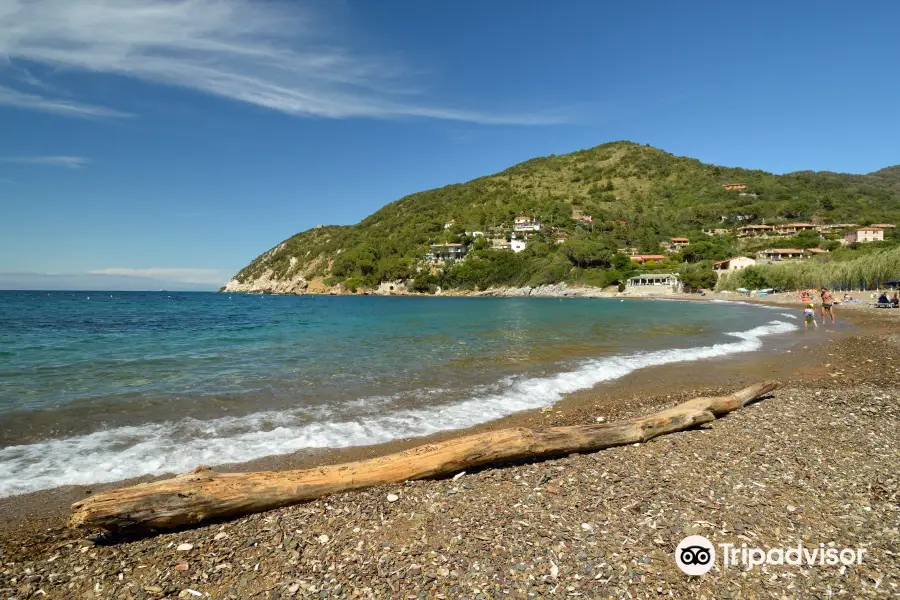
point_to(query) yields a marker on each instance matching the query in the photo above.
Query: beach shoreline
(33, 526)
(51, 505)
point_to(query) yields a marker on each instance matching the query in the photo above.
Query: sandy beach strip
(815, 463)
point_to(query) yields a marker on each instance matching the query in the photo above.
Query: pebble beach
(816, 462)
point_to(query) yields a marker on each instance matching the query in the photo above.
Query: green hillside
(637, 195)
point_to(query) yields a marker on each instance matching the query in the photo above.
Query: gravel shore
(815, 463)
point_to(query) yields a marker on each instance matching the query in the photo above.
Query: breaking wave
(178, 446)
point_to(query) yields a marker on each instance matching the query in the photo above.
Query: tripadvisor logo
(695, 555)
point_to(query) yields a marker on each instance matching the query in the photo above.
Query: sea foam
(179, 446)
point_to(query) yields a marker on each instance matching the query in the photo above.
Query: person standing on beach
(827, 305)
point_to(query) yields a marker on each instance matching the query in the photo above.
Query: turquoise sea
(101, 386)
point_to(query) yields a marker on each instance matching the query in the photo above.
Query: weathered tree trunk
(204, 495)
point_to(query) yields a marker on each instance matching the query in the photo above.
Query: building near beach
(793, 228)
(526, 224)
(864, 235)
(756, 231)
(659, 283)
(733, 264)
(442, 252)
(642, 258)
(777, 254)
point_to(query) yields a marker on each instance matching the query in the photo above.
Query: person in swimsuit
(827, 305)
(809, 314)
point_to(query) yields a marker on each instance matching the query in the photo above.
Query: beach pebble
(600, 419)
(459, 475)
(181, 567)
(220, 536)
(184, 547)
(323, 539)
(392, 497)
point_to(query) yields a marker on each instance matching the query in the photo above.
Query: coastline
(641, 387)
(820, 374)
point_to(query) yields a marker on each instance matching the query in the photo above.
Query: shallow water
(100, 386)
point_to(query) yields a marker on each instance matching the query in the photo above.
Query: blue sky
(168, 142)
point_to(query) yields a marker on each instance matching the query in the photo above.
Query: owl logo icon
(695, 555)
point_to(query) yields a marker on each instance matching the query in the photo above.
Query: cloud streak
(70, 162)
(95, 282)
(12, 97)
(208, 277)
(267, 54)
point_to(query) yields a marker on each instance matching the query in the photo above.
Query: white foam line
(155, 449)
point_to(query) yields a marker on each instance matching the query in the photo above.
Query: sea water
(102, 386)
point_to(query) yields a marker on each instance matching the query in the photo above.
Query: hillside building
(643, 258)
(442, 252)
(864, 235)
(733, 264)
(526, 224)
(793, 228)
(779, 254)
(677, 243)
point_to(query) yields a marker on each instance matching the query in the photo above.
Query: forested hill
(636, 195)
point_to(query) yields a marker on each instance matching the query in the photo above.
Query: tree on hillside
(698, 276)
(648, 242)
(716, 248)
(808, 238)
(587, 253)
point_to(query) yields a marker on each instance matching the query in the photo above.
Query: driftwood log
(205, 495)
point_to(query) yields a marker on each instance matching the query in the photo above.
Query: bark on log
(204, 495)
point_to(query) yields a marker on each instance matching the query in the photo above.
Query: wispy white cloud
(47, 103)
(270, 54)
(98, 281)
(182, 275)
(71, 162)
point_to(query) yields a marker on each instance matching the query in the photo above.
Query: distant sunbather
(883, 299)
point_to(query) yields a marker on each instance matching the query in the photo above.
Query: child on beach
(809, 313)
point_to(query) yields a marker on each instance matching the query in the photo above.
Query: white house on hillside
(733, 264)
(516, 245)
(442, 252)
(526, 224)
